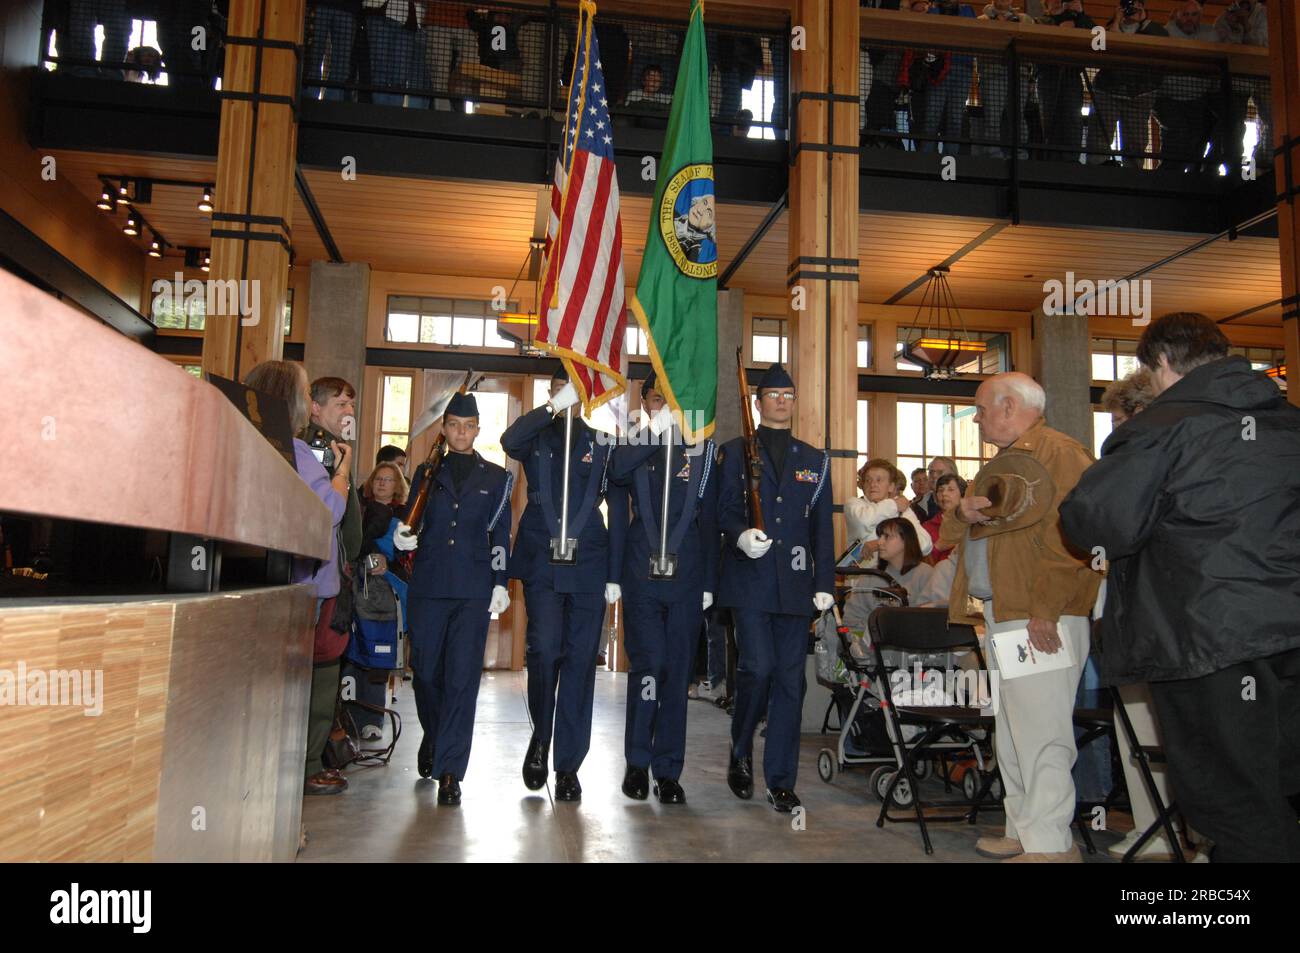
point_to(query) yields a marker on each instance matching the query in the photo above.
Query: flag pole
(664, 564)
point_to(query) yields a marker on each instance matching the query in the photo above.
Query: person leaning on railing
(986, 129)
(288, 381)
(1060, 87)
(1124, 95)
(1245, 22)
(1183, 105)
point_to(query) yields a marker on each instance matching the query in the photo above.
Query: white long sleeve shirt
(861, 517)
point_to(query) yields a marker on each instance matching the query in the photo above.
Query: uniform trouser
(1034, 741)
(661, 639)
(563, 634)
(1232, 739)
(1142, 714)
(770, 678)
(447, 640)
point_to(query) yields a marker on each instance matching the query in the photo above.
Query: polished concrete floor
(390, 814)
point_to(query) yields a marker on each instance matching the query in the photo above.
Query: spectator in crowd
(995, 93)
(186, 66)
(397, 48)
(926, 506)
(1202, 600)
(330, 37)
(391, 453)
(1182, 105)
(918, 72)
(78, 47)
(1125, 95)
(1030, 579)
(651, 93)
(145, 65)
(288, 381)
(881, 483)
(1245, 22)
(945, 107)
(449, 42)
(899, 555)
(920, 483)
(383, 500)
(653, 45)
(1060, 87)
(333, 414)
(948, 493)
(878, 91)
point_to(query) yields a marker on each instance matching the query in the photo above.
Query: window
(187, 314)
(995, 360)
(447, 322)
(395, 409)
(864, 345)
(1113, 359)
(927, 430)
(1261, 358)
(635, 343)
(609, 416)
(864, 430)
(1102, 425)
(194, 370)
(769, 341)
(288, 312)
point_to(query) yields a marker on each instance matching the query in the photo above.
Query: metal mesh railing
(1111, 111)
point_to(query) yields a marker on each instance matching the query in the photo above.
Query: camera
(319, 442)
(1129, 6)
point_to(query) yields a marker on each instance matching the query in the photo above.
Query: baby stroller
(846, 665)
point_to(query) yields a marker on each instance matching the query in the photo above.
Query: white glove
(662, 420)
(404, 539)
(500, 600)
(567, 397)
(613, 592)
(754, 543)
(823, 601)
(708, 600)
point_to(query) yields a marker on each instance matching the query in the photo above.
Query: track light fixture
(132, 226)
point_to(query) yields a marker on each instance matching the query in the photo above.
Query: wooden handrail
(98, 428)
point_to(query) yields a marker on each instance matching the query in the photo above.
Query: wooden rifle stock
(753, 462)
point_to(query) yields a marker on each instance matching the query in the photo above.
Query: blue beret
(560, 374)
(462, 405)
(774, 376)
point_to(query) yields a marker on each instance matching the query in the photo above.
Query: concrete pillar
(731, 335)
(338, 298)
(1063, 367)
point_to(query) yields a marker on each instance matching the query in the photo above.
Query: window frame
(420, 313)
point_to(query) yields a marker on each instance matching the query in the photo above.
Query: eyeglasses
(786, 395)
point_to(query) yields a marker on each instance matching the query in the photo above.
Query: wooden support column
(256, 162)
(1284, 60)
(824, 235)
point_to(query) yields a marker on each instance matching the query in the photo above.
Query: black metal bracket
(1289, 187)
(247, 235)
(798, 276)
(244, 219)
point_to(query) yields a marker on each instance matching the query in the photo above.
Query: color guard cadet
(459, 580)
(565, 590)
(663, 599)
(774, 583)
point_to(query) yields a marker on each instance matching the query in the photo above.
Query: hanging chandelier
(941, 343)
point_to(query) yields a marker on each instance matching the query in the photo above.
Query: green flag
(676, 300)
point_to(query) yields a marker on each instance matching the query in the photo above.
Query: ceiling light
(207, 262)
(205, 203)
(132, 226)
(155, 248)
(122, 196)
(105, 203)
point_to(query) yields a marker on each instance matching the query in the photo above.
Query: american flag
(582, 317)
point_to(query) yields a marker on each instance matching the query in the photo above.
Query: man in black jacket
(1196, 504)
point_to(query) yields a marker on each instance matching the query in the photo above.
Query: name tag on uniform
(807, 476)
(485, 492)
(685, 472)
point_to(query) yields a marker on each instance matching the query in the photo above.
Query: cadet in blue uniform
(663, 618)
(458, 582)
(774, 583)
(565, 603)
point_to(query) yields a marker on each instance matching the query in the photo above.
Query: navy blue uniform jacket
(797, 511)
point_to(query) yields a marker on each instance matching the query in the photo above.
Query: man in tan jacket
(1029, 578)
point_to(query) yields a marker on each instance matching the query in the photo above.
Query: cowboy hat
(1021, 491)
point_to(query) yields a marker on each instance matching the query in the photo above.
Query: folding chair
(1097, 724)
(916, 631)
(1144, 756)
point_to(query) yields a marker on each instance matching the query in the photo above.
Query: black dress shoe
(448, 790)
(740, 777)
(424, 760)
(535, 765)
(669, 792)
(783, 799)
(567, 787)
(636, 782)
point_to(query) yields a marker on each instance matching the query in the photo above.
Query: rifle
(753, 462)
(430, 466)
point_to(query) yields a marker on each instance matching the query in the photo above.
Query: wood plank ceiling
(481, 229)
